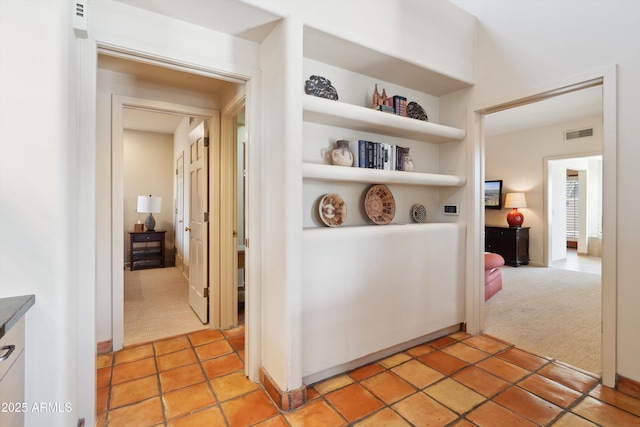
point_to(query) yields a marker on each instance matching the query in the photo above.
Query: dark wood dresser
(510, 242)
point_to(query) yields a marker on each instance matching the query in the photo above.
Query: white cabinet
(12, 369)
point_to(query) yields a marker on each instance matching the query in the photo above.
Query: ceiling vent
(580, 133)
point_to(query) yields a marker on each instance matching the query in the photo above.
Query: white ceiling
(255, 24)
(556, 110)
(251, 24)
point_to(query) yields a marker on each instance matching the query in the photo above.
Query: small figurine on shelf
(375, 99)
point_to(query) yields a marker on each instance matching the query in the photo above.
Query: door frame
(474, 305)
(118, 104)
(228, 204)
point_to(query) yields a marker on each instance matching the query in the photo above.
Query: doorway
(162, 87)
(607, 80)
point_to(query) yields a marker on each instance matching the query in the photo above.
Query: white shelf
(370, 61)
(317, 172)
(340, 114)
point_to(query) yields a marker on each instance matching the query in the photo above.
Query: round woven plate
(333, 210)
(419, 213)
(379, 204)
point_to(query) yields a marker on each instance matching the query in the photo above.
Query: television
(493, 194)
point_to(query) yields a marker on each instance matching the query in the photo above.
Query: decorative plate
(333, 210)
(321, 87)
(415, 111)
(419, 213)
(379, 204)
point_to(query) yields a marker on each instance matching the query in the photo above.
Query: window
(573, 206)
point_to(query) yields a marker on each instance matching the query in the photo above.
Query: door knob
(187, 229)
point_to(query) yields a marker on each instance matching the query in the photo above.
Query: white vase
(407, 163)
(341, 155)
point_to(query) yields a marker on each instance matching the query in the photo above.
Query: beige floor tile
(331, 384)
(417, 373)
(134, 391)
(188, 399)
(394, 360)
(421, 410)
(454, 395)
(233, 385)
(465, 352)
(142, 414)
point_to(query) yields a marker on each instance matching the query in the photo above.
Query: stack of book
(379, 155)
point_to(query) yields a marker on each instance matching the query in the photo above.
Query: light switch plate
(451, 209)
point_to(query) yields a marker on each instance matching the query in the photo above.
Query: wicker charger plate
(379, 204)
(333, 210)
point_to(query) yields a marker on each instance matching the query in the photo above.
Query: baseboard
(628, 386)
(105, 347)
(285, 400)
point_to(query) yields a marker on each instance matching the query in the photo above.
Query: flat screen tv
(493, 194)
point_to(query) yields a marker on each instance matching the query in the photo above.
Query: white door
(198, 225)
(179, 220)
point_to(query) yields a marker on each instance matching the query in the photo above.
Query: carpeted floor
(550, 312)
(156, 305)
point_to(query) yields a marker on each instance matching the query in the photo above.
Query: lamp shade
(515, 200)
(149, 204)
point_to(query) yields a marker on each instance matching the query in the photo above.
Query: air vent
(580, 133)
(80, 18)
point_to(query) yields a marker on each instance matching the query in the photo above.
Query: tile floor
(457, 380)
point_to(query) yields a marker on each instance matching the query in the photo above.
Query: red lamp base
(515, 218)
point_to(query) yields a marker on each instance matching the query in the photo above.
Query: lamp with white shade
(149, 204)
(515, 201)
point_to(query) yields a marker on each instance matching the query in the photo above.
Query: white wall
(148, 169)
(521, 48)
(39, 198)
(517, 159)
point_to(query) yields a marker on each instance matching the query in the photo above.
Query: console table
(146, 249)
(510, 242)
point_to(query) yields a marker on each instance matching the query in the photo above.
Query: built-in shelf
(340, 114)
(318, 172)
(370, 61)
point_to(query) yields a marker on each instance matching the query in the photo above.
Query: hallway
(198, 379)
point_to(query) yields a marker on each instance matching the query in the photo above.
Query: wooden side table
(510, 242)
(146, 249)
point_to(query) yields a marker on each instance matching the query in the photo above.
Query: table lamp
(515, 201)
(149, 204)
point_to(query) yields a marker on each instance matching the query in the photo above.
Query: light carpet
(156, 305)
(550, 312)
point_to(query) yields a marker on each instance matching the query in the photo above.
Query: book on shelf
(400, 105)
(378, 155)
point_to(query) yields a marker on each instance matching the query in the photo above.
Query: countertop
(12, 309)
